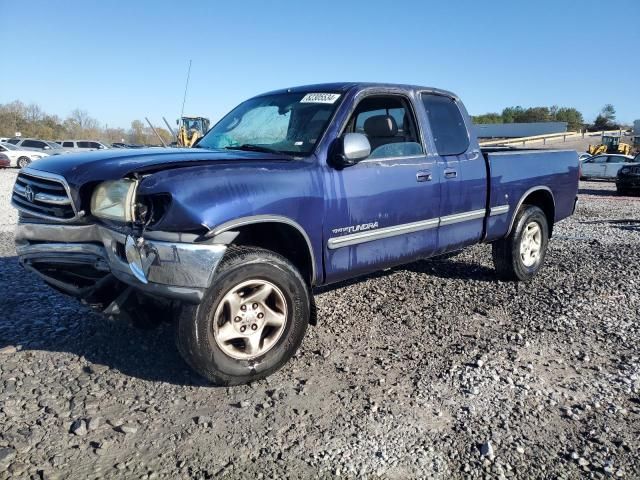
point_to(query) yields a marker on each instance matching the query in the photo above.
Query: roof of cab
(346, 86)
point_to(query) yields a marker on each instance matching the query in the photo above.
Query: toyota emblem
(29, 193)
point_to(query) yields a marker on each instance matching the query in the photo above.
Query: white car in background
(20, 158)
(35, 145)
(81, 145)
(604, 166)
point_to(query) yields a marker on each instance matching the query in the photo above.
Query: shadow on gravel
(441, 266)
(630, 224)
(35, 317)
(598, 193)
(452, 269)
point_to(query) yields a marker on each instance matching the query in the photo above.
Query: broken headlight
(114, 200)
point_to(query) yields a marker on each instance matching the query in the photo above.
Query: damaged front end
(101, 263)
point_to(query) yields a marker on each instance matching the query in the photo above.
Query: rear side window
(67, 144)
(447, 125)
(83, 145)
(32, 144)
(13, 141)
(94, 144)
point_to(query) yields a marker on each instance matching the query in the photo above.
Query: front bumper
(77, 259)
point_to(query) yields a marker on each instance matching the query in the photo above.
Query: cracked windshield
(289, 122)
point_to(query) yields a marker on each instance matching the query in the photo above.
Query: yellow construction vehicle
(190, 129)
(610, 144)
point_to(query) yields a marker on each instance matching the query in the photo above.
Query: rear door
(384, 210)
(463, 181)
(613, 165)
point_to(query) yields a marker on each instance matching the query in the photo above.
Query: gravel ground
(432, 370)
(8, 215)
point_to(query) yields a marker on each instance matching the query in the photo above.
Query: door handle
(450, 174)
(424, 176)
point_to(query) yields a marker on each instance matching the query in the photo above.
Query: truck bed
(512, 173)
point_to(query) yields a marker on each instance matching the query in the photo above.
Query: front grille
(42, 195)
(635, 170)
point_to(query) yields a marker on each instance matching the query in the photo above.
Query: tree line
(606, 120)
(31, 121)
(572, 116)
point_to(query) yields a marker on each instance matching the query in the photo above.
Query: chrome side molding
(402, 229)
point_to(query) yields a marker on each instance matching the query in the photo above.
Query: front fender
(208, 198)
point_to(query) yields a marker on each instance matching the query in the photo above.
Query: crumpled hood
(81, 168)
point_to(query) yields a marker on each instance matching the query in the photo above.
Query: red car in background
(4, 161)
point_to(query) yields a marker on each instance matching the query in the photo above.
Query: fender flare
(253, 219)
(521, 201)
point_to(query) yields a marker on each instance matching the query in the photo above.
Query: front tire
(250, 323)
(521, 255)
(23, 162)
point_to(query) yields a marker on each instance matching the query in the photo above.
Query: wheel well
(281, 238)
(543, 200)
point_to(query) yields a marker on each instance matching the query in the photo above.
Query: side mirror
(350, 149)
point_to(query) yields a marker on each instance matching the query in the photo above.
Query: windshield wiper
(250, 147)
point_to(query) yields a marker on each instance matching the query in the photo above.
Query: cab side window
(447, 124)
(389, 124)
(33, 144)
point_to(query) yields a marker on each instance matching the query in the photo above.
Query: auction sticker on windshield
(320, 98)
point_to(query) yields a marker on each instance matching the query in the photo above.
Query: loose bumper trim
(175, 270)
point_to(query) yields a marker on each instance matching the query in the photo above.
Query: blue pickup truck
(292, 189)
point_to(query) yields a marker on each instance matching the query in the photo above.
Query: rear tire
(23, 162)
(251, 321)
(520, 255)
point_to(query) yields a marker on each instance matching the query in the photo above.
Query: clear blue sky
(122, 60)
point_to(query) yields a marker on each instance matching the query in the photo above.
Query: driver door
(384, 210)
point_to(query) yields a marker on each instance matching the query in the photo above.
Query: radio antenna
(186, 87)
